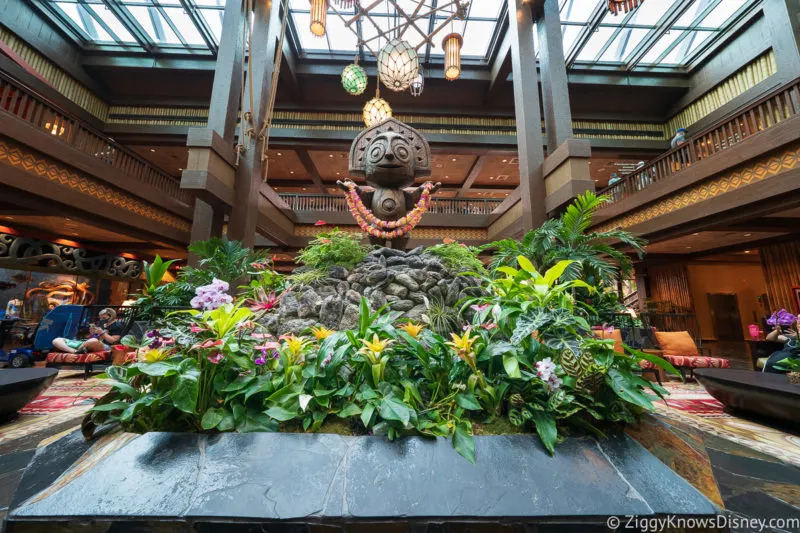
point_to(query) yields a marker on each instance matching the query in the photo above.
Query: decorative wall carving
(67, 258)
(764, 168)
(37, 164)
(458, 234)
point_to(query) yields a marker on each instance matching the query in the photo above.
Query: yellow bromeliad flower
(153, 356)
(376, 346)
(321, 332)
(412, 329)
(462, 344)
(295, 345)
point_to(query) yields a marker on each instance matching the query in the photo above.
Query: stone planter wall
(402, 280)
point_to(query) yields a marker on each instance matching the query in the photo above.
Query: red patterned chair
(87, 360)
(679, 349)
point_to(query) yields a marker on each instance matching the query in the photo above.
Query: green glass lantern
(354, 79)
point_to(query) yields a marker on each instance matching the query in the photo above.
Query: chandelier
(615, 6)
(319, 12)
(377, 110)
(452, 56)
(418, 85)
(354, 79)
(398, 65)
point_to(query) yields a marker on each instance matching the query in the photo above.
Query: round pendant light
(398, 65)
(418, 85)
(452, 56)
(319, 12)
(354, 79)
(616, 6)
(376, 110)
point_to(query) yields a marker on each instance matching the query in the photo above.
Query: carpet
(692, 398)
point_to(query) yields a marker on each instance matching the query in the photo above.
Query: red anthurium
(207, 344)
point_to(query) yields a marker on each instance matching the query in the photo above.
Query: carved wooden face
(390, 161)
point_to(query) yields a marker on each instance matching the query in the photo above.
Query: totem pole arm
(413, 195)
(366, 196)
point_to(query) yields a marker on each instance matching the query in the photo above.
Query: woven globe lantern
(354, 79)
(377, 110)
(398, 65)
(319, 12)
(616, 6)
(452, 56)
(418, 85)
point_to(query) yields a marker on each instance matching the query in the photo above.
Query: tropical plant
(790, 364)
(457, 256)
(333, 248)
(594, 257)
(440, 317)
(221, 259)
(558, 371)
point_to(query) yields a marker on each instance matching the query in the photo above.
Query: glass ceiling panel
(668, 33)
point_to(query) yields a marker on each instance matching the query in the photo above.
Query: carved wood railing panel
(439, 206)
(26, 104)
(766, 113)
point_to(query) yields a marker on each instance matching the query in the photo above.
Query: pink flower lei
(375, 227)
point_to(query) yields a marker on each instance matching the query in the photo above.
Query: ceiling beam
(130, 24)
(289, 69)
(200, 24)
(474, 173)
(776, 224)
(311, 168)
(586, 32)
(501, 68)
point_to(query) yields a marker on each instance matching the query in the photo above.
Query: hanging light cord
(273, 93)
(246, 126)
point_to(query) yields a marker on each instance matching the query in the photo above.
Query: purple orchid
(781, 318)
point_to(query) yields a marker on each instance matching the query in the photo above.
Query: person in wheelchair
(101, 336)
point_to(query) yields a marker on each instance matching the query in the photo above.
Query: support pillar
(555, 91)
(209, 147)
(528, 116)
(244, 212)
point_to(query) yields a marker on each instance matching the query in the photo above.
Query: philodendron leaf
(212, 418)
(511, 365)
(463, 441)
(366, 414)
(546, 428)
(391, 409)
(349, 410)
(280, 414)
(467, 400)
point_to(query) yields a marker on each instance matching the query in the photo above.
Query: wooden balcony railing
(439, 206)
(28, 105)
(771, 110)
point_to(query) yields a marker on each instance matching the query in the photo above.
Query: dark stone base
(317, 482)
(18, 386)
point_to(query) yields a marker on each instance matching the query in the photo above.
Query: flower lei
(386, 229)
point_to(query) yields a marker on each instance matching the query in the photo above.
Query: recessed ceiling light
(694, 234)
(152, 149)
(331, 156)
(491, 177)
(688, 247)
(180, 168)
(447, 177)
(505, 160)
(338, 173)
(748, 234)
(291, 172)
(747, 251)
(280, 153)
(597, 181)
(454, 160)
(10, 218)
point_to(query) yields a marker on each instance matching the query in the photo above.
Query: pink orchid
(194, 328)
(268, 346)
(216, 358)
(480, 307)
(261, 335)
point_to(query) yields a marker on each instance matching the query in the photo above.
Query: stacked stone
(386, 276)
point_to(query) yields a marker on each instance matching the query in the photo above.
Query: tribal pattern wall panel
(764, 168)
(36, 164)
(34, 252)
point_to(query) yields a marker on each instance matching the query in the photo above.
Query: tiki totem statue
(390, 156)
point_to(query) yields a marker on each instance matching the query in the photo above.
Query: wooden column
(244, 213)
(555, 92)
(529, 119)
(209, 215)
(783, 20)
(640, 273)
(781, 266)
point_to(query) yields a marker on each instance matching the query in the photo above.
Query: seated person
(102, 336)
(787, 336)
(679, 139)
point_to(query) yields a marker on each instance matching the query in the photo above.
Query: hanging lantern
(354, 79)
(319, 11)
(615, 6)
(398, 65)
(452, 56)
(418, 85)
(462, 9)
(377, 110)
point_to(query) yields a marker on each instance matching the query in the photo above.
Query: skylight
(364, 36)
(659, 33)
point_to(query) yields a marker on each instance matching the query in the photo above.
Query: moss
(499, 426)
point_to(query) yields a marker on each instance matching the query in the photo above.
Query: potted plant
(792, 366)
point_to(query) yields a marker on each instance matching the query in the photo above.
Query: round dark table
(18, 386)
(767, 395)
